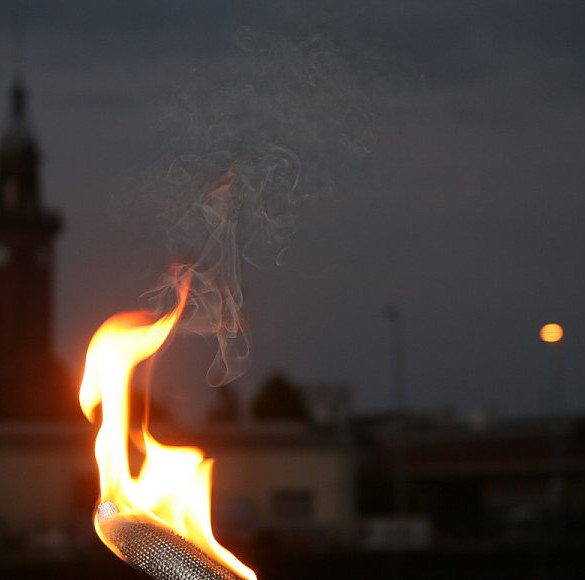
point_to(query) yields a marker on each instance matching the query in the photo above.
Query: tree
(278, 398)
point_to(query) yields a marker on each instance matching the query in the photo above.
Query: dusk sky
(440, 149)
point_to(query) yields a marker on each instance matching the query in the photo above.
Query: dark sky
(457, 185)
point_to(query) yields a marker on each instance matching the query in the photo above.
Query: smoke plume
(249, 140)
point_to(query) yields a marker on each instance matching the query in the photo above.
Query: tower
(32, 382)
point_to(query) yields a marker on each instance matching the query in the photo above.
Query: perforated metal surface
(158, 552)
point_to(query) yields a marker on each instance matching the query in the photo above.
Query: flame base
(155, 550)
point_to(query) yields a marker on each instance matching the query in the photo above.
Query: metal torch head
(157, 551)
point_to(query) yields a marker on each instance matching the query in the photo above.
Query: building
(33, 384)
(40, 439)
(507, 481)
(282, 482)
(48, 485)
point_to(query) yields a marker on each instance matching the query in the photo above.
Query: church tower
(32, 382)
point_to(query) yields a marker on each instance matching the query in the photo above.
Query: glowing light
(551, 332)
(173, 486)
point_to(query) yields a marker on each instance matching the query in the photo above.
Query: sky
(440, 151)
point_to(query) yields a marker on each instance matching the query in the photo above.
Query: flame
(173, 486)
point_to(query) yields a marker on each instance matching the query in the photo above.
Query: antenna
(18, 98)
(18, 42)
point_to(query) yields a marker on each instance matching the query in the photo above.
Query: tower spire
(17, 43)
(19, 155)
(18, 101)
(18, 92)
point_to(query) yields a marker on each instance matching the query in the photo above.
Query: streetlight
(400, 491)
(552, 334)
(398, 394)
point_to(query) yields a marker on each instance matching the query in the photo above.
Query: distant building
(33, 384)
(517, 480)
(282, 481)
(49, 482)
(44, 453)
(279, 483)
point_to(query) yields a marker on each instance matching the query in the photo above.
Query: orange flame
(173, 487)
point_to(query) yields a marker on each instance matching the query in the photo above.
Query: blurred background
(409, 221)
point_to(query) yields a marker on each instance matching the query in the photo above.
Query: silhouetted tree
(279, 399)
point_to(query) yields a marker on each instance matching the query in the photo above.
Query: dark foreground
(535, 564)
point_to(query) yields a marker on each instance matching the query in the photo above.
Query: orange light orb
(552, 332)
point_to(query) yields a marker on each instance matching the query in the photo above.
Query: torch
(156, 550)
(159, 520)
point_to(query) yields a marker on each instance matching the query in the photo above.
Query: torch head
(155, 550)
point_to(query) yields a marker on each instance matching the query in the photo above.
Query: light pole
(398, 394)
(552, 334)
(398, 399)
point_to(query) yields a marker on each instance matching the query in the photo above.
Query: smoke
(249, 141)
